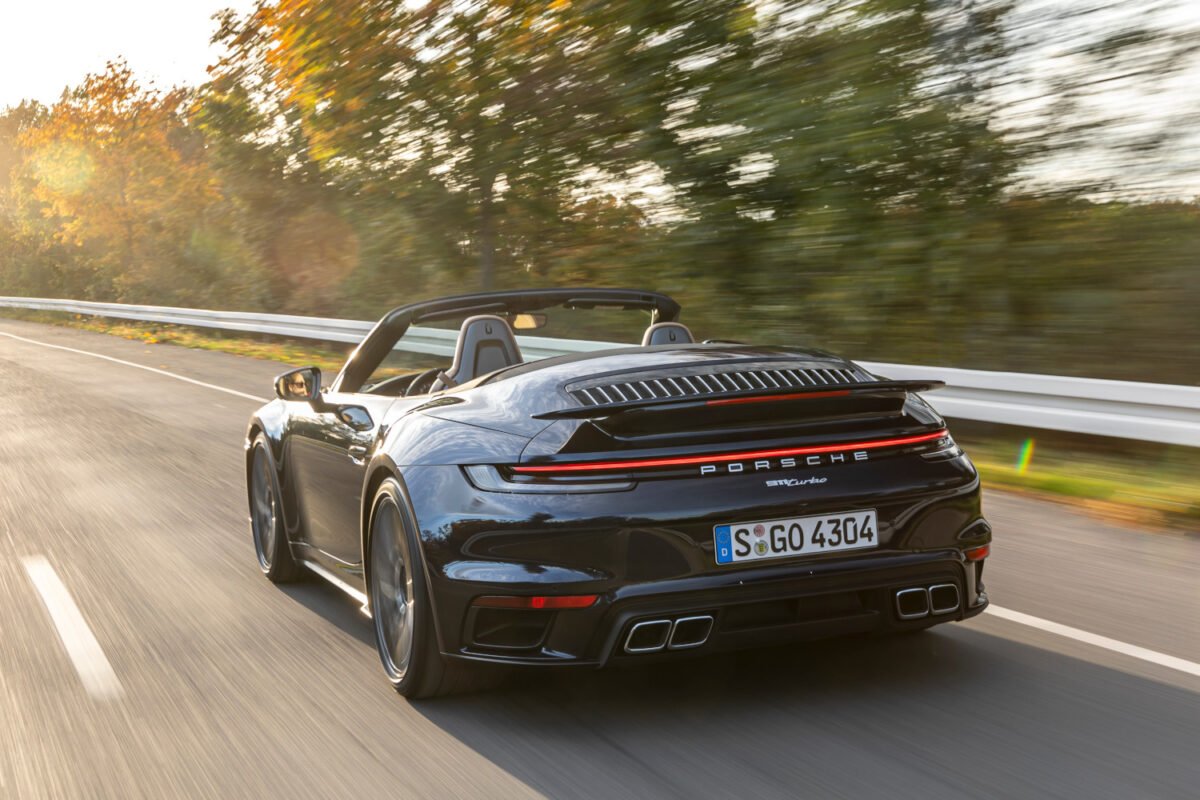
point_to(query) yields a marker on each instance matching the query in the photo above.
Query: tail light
(627, 465)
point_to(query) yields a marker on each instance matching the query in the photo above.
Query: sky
(46, 46)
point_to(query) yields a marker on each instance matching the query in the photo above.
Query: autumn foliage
(844, 174)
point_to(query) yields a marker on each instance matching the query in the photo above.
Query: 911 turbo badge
(547, 511)
(812, 479)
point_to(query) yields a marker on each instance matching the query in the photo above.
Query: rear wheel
(400, 607)
(266, 520)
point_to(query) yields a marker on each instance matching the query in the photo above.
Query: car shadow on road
(951, 712)
(334, 606)
(956, 711)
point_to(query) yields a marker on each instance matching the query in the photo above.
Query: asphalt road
(129, 483)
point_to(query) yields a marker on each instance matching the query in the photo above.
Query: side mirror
(302, 384)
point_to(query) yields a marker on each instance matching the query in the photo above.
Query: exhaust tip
(912, 603)
(690, 632)
(943, 598)
(649, 636)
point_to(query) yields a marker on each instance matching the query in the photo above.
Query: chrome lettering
(796, 481)
(766, 464)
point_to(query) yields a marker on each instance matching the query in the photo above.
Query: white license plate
(777, 538)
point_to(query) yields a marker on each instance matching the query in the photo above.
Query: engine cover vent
(711, 384)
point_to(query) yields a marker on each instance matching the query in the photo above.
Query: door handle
(357, 453)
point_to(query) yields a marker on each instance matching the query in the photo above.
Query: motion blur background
(999, 185)
(963, 183)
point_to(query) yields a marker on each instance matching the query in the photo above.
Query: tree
(125, 181)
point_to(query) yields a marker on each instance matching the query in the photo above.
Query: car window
(394, 373)
(593, 324)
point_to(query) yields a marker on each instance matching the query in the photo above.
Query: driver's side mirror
(302, 384)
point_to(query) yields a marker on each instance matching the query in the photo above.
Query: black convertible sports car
(612, 505)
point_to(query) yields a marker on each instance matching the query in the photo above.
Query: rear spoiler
(782, 394)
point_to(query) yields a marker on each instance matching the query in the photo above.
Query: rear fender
(419, 439)
(382, 468)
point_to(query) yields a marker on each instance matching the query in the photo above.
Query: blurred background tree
(930, 181)
(117, 187)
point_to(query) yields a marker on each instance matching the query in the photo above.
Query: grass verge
(1148, 485)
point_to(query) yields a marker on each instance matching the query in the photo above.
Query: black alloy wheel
(266, 520)
(393, 602)
(401, 605)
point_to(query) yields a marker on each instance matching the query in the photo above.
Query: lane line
(213, 386)
(82, 648)
(1058, 629)
(1096, 640)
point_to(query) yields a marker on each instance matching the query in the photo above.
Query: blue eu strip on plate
(724, 545)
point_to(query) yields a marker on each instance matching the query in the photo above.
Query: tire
(271, 545)
(400, 604)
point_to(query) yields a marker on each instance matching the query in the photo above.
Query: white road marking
(212, 386)
(1058, 629)
(1096, 640)
(84, 651)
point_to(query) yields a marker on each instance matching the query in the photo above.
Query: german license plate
(795, 536)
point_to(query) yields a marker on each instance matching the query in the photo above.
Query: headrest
(485, 344)
(667, 333)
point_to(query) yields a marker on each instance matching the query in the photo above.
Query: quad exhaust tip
(653, 635)
(943, 598)
(690, 632)
(912, 603)
(649, 636)
(920, 601)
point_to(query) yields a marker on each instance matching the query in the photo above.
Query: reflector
(978, 553)
(548, 602)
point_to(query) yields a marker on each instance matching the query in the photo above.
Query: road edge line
(1096, 640)
(213, 386)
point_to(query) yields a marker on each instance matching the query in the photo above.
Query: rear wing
(776, 395)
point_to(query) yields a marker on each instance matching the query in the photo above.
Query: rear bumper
(649, 554)
(749, 608)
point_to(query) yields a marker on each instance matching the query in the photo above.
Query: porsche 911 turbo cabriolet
(612, 505)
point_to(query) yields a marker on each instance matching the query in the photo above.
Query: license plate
(778, 538)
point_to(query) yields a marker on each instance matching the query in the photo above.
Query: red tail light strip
(680, 461)
(771, 398)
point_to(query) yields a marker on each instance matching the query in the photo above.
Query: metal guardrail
(327, 329)
(1145, 411)
(1149, 412)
